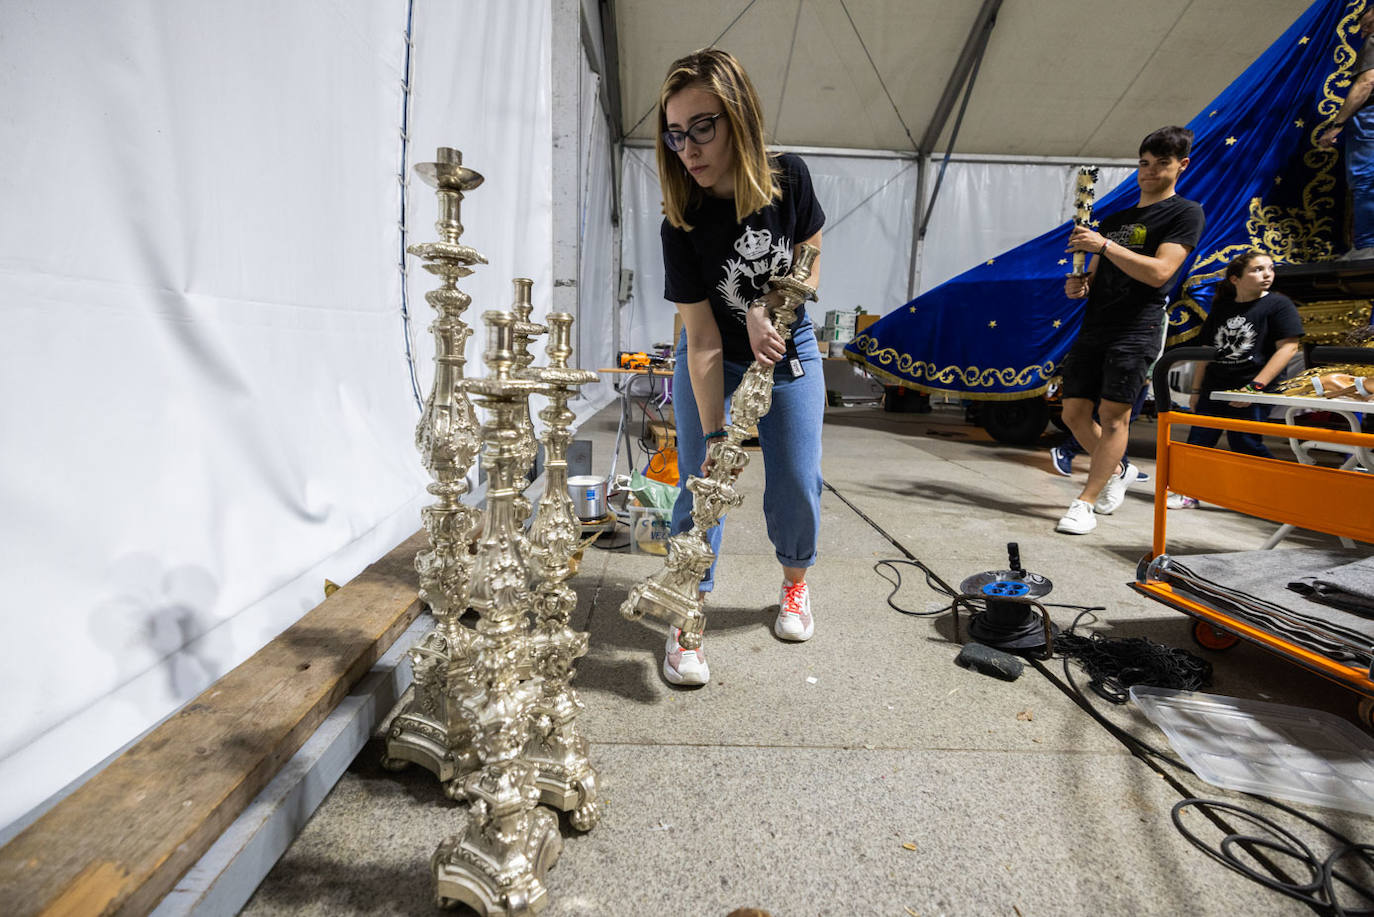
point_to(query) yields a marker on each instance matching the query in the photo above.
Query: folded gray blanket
(1252, 586)
(1349, 587)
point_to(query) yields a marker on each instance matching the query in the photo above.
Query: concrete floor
(861, 772)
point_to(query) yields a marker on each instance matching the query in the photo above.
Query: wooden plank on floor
(121, 841)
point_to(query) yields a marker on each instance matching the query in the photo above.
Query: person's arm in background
(1284, 353)
(1154, 270)
(1354, 100)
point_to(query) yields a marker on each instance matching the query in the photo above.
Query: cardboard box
(836, 318)
(665, 435)
(864, 321)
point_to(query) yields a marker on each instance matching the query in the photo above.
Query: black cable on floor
(1165, 663)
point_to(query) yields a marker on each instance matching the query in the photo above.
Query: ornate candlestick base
(673, 594)
(496, 864)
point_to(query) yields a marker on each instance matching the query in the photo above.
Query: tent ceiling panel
(1058, 78)
(832, 91)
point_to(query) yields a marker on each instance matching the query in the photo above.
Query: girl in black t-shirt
(734, 216)
(1256, 334)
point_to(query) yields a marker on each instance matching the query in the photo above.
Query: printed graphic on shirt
(760, 258)
(1132, 235)
(1234, 340)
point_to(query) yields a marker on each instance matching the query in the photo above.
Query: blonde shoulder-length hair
(756, 176)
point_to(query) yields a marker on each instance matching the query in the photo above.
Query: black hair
(1168, 141)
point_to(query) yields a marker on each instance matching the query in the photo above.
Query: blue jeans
(790, 438)
(1359, 174)
(1244, 443)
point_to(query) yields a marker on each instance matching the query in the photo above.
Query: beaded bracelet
(718, 434)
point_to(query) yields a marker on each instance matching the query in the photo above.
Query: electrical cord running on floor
(1319, 892)
(1113, 666)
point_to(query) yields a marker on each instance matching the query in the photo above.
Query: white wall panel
(985, 208)
(205, 406)
(865, 247)
(597, 284)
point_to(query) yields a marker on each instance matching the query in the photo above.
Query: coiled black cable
(1319, 892)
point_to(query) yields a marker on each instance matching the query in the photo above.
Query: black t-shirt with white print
(1118, 303)
(1245, 334)
(728, 262)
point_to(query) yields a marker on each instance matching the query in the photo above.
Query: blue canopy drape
(999, 330)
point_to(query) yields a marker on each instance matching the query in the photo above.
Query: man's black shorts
(1113, 369)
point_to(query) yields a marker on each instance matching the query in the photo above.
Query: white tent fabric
(598, 281)
(865, 245)
(207, 407)
(985, 208)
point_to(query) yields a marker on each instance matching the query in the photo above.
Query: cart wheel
(1210, 637)
(1366, 712)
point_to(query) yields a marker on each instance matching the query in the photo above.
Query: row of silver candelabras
(491, 710)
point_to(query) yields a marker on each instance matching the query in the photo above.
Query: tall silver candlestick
(524, 332)
(557, 747)
(427, 730)
(497, 863)
(673, 594)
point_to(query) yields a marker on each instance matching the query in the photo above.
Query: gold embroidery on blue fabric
(1288, 234)
(888, 362)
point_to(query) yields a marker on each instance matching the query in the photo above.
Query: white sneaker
(1114, 491)
(794, 613)
(683, 666)
(1079, 520)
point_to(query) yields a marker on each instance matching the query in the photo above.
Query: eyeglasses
(701, 133)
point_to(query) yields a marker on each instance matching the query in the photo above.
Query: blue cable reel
(1008, 620)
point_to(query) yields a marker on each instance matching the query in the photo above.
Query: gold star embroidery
(1298, 123)
(992, 324)
(990, 260)
(1063, 260)
(1057, 323)
(913, 309)
(1303, 40)
(1230, 141)
(1094, 224)
(1278, 179)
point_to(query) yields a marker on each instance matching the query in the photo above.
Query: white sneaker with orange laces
(794, 613)
(682, 666)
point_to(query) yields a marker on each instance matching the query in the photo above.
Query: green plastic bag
(653, 493)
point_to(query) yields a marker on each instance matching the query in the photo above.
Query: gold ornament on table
(557, 748)
(427, 729)
(497, 862)
(1355, 383)
(1084, 195)
(673, 594)
(1352, 380)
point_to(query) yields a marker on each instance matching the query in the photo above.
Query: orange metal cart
(1332, 500)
